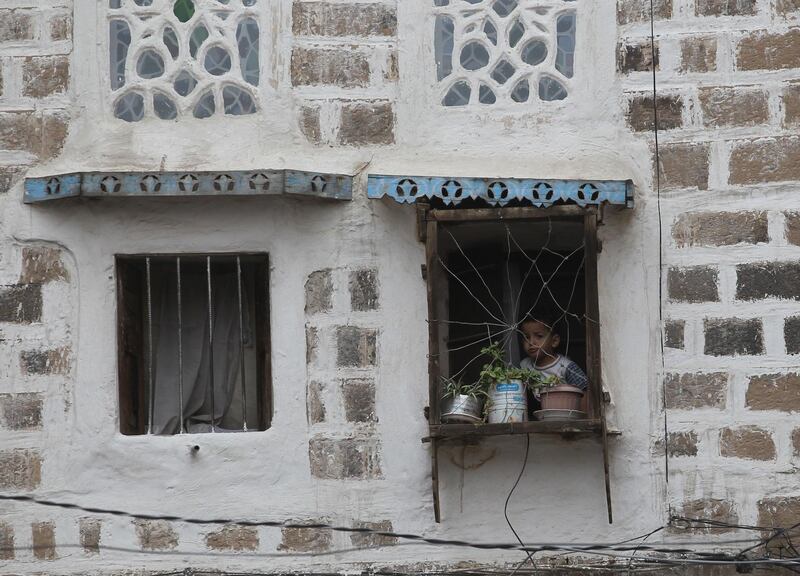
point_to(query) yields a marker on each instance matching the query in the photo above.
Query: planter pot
(562, 397)
(462, 409)
(508, 402)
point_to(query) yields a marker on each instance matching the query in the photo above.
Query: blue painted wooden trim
(501, 191)
(161, 184)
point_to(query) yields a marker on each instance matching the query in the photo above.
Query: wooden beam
(510, 213)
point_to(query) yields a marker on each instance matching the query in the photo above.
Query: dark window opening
(193, 343)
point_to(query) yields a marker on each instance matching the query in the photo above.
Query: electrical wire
(608, 550)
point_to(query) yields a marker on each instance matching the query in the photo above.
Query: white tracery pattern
(183, 58)
(490, 51)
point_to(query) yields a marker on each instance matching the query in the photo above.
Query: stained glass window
(160, 51)
(490, 51)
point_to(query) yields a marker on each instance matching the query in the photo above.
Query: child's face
(540, 342)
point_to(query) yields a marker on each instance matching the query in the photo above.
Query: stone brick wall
(730, 160)
(344, 71)
(35, 47)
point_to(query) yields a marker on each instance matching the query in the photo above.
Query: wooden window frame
(429, 223)
(131, 317)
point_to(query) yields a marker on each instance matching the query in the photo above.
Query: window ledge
(188, 184)
(567, 429)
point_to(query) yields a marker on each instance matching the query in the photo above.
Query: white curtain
(197, 383)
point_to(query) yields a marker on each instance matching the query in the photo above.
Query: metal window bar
(150, 390)
(180, 346)
(151, 381)
(211, 342)
(241, 342)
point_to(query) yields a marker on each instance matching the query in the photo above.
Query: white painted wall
(266, 475)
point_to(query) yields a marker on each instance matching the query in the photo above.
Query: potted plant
(558, 395)
(462, 403)
(506, 387)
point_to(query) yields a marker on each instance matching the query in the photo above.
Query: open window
(489, 269)
(193, 343)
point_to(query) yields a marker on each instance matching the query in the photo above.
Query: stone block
(695, 390)
(725, 7)
(44, 76)
(16, 25)
(371, 539)
(791, 105)
(786, 7)
(792, 228)
(366, 123)
(6, 541)
(779, 512)
(319, 292)
(334, 67)
(21, 411)
(60, 27)
(636, 56)
(155, 535)
(9, 175)
(674, 334)
(312, 344)
(747, 442)
(20, 470)
(356, 347)
(682, 444)
(55, 126)
(774, 392)
(761, 280)
(629, 11)
(763, 50)
(43, 535)
(42, 264)
(693, 284)
(640, 112)
(233, 538)
(698, 54)
(733, 336)
(364, 291)
(56, 361)
(349, 458)
(739, 106)
(713, 509)
(90, 533)
(21, 303)
(359, 399)
(720, 228)
(684, 165)
(309, 124)
(315, 405)
(336, 20)
(791, 334)
(796, 441)
(21, 131)
(306, 539)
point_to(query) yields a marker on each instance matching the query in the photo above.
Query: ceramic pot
(562, 397)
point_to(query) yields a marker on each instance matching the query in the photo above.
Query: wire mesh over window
(495, 275)
(193, 334)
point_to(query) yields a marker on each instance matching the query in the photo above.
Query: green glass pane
(184, 10)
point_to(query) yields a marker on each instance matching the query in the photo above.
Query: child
(540, 344)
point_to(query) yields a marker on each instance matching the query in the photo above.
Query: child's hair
(550, 319)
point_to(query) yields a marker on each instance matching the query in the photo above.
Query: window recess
(193, 343)
(487, 269)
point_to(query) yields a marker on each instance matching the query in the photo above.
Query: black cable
(508, 499)
(595, 548)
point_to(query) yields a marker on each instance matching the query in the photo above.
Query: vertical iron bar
(180, 347)
(210, 341)
(150, 390)
(241, 343)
